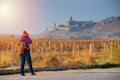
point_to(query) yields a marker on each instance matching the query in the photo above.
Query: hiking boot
(33, 73)
(22, 74)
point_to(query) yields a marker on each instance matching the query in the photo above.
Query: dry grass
(8, 59)
(62, 52)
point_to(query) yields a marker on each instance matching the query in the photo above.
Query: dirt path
(90, 74)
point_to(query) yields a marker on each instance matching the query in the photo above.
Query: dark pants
(23, 58)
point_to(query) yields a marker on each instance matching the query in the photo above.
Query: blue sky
(35, 16)
(83, 9)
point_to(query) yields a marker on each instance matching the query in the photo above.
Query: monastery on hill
(68, 25)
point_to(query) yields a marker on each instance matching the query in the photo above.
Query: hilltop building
(68, 25)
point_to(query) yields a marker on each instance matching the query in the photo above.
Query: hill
(106, 29)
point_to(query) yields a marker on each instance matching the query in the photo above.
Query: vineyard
(54, 52)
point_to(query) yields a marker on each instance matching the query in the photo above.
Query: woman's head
(25, 34)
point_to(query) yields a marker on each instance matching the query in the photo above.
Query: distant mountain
(106, 29)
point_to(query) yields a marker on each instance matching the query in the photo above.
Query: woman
(26, 55)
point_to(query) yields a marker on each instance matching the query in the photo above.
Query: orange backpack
(21, 48)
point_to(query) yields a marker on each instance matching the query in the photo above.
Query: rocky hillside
(106, 29)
